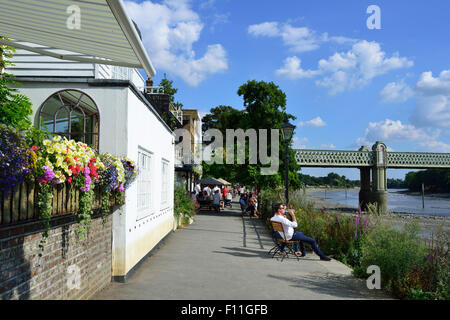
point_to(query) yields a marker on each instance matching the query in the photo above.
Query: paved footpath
(224, 257)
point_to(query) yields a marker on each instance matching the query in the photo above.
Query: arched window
(71, 114)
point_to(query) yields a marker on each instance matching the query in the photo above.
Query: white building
(105, 107)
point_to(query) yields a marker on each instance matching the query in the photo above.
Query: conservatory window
(71, 114)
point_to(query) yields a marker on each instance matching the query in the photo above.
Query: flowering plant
(130, 172)
(15, 159)
(63, 160)
(112, 174)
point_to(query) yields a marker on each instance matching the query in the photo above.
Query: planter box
(22, 206)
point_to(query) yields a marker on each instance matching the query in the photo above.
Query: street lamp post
(287, 131)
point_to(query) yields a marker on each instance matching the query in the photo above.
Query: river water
(397, 202)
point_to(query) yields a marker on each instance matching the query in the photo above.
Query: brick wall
(67, 269)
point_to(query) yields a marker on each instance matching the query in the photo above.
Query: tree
(222, 118)
(170, 90)
(264, 108)
(15, 108)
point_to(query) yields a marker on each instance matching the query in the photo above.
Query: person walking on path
(288, 227)
(216, 201)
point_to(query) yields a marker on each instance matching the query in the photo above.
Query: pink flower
(121, 188)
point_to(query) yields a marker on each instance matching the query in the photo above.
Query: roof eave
(118, 9)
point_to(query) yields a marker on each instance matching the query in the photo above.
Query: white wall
(147, 132)
(125, 124)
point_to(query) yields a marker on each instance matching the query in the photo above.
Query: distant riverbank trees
(335, 180)
(434, 180)
(332, 179)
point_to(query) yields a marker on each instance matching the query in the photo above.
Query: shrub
(396, 252)
(183, 204)
(431, 279)
(15, 108)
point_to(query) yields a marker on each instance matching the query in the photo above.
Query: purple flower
(338, 219)
(121, 188)
(48, 174)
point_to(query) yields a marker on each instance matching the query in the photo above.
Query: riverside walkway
(224, 257)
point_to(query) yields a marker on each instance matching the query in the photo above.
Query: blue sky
(347, 85)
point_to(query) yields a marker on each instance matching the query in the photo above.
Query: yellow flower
(50, 150)
(59, 161)
(48, 163)
(56, 138)
(47, 143)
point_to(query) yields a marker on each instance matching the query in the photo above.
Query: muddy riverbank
(429, 224)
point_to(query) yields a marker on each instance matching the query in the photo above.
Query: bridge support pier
(379, 189)
(374, 191)
(365, 192)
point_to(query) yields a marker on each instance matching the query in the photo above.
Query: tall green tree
(15, 108)
(170, 90)
(264, 108)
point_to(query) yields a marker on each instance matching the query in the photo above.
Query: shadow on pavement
(245, 253)
(337, 286)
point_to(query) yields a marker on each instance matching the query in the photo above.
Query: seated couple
(291, 235)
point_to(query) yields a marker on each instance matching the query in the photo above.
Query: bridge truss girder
(372, 165)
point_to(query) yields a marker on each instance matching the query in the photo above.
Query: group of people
(249, 203)
(213, 193)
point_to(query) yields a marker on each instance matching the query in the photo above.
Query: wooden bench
(205, 204)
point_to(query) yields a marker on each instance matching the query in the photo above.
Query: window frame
(143, 212)
(165, 184)
(69, 109)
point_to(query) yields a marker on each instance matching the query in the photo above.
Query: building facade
(106, 107)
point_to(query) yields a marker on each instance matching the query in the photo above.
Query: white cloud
(327, 146)
(429, 85)
(299, 143)
(297, 39)
(267, 29)
(169, 31)
(433, 101)
(396, 92)
(358, 66)
(347, 70)
(390, 131)
(316, 122)
(292, 69)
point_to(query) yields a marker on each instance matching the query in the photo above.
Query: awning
(97, 31)
(209, 181)
(225, 182)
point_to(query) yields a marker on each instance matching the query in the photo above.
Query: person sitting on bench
(292, 235)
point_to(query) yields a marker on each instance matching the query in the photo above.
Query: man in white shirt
(288, 227)
(208, 190)
(197, 188)
(216, 188)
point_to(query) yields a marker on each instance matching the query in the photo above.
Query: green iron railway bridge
(372, 165)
